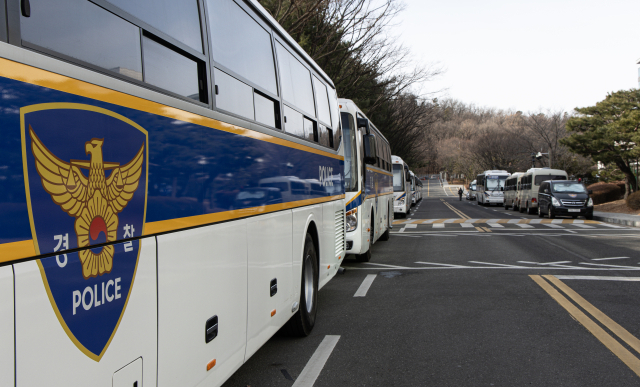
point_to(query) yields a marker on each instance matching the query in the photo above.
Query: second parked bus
(368, 183)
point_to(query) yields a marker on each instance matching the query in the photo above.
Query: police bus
(402, 197)
(133, 137)
(367, 177)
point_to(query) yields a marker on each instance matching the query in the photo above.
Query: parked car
(471, 192)
(564, 197)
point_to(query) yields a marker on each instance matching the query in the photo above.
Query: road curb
(624, 222)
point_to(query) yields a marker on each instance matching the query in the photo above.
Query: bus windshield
(350, 154)
(398, 181)
(495, 183)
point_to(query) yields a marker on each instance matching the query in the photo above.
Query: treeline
(468, 139)
(351, 41)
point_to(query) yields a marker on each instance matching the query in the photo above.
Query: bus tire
(366, 257)
(302, 322)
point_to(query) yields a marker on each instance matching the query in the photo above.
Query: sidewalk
(612, 217)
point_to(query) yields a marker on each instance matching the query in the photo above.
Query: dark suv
(564, 197)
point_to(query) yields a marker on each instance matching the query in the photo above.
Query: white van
(511, 190)
(530, 183)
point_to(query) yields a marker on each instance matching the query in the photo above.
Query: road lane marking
(466, 225)
(597, 278)
(606, 259)
(613, 326)
(603, 265)
(314, 366)
(442, 264)
(545, 263)
(612, 344)
(552, 226)
(495, 264)
(582, 225)
(486, 229)
(479, 229)
(524, 225)
(495, 225)
(438, 225)
(384, 265)
(365, 285)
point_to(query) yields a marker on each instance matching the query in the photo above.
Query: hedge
(606, 192)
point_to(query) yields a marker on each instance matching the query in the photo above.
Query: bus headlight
(590, 202)
(401, 202)
(555, 202)
(352, 219)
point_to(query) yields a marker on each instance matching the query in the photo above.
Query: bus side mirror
(369, 142)
(363, 123)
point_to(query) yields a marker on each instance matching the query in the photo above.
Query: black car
(564, 197)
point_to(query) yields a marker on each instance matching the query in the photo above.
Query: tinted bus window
(293, 122)
(169, 70)
(265, 110)
(296, 81)
(178, 19)
(233, 96)
(398, 181)
(322, 101)
(84, 31)
(241, 44)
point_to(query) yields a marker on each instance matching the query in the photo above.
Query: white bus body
(511, 190)
(402, 197)
(143, 225)
(530, 183)
(368, 187)
(414, 189)
(490, 187)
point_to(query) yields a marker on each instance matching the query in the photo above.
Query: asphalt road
(502, 301)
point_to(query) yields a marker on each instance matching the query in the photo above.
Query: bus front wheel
(366, 257)
(302, 322)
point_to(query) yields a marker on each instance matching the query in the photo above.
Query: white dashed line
(366, 284)
(606, 259)
(314, 366)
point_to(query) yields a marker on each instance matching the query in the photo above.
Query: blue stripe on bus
(193, 169)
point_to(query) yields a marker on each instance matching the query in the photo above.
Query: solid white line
(439, 264)
(438, 225)
(366, 284)
(545, 263)
(595, 277)
(606, 259)
(314, 366)
(603, 265)
(496, 264)
(384, 265)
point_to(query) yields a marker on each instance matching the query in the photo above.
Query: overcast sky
(526, 55)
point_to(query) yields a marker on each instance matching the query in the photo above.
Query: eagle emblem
(94, 200)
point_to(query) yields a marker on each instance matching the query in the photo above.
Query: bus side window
(335, 118)
(100, 37)
(293, 122)
(167, 69)
(295, 81)
(245, 73)
(178, 19)
(322, 101)
(323, 135)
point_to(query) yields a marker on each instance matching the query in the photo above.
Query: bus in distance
(368, 185)
(401, 187)
(490, 187)
(155, 185)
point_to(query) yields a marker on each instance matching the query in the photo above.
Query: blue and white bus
(402, 197)
(368, 186)
(167, 169)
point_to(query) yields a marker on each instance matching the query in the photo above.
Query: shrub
(606, 192)
(633, 201)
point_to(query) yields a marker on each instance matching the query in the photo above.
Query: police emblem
(85, 177)
(572, 195)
